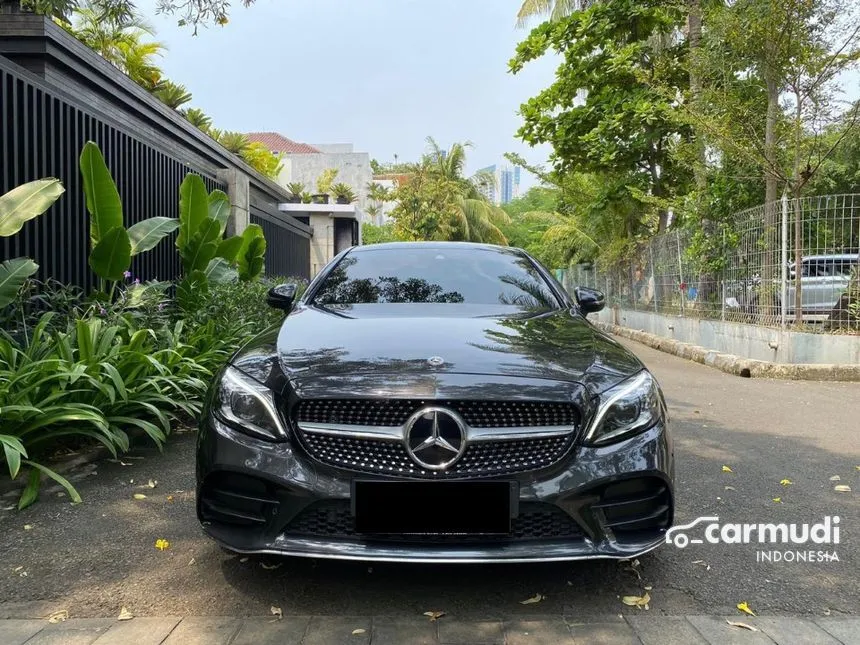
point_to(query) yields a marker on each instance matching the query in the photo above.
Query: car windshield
(437, 275)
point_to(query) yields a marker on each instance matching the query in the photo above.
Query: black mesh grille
(478, 414)
(481, 459)
(536, 521)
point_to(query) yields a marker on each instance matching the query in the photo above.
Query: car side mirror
(281, 296)
(589, 300)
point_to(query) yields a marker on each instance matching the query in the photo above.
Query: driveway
(96, 557)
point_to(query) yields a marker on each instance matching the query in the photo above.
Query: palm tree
(235, 142)
(173, 95)
(198, 118)
(476, 219)
(555, 9)
(136, 60)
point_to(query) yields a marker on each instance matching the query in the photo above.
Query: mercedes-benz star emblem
(436, 361)
(435, 438)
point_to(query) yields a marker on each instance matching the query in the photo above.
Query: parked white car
(823, 279)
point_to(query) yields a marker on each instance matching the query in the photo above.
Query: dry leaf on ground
(434, 615)
(58, 616)
(734, 623)
(28, 527)
(637, 601)
(744, 607)
(152, 483)
(530, 601)
(835, 478)
(786, 482)
(778, 500)
(162, 544)
(356, 632)
(727, 469)
(276, 611)
(842, 488)
(139, 496)
(125, 614)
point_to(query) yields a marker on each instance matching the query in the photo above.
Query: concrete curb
(737, 365)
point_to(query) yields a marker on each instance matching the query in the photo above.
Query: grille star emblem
(435, 438)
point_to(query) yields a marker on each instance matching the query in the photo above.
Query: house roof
(279, 143)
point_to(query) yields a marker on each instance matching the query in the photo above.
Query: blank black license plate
(433, 507)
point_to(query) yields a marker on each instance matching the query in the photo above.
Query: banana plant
(206, 256)
(112, 246)
(252, 253)
(18, 206)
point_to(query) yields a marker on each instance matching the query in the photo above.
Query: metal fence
(56, 94)
(745, 269)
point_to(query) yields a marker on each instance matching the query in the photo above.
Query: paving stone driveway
(536, 630)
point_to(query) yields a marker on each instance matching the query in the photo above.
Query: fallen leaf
(434, 615)
(569, 583)
(637, 601)
(23, 574)
(726, 469)
(170, 498)
(647, 587)
(269, 567)
(729, 488)
(17, 569)
(276, 611)
(696, 412)
(530, 601)
(741, 625)
(139, 496)
(856, 467)
(842, 488)
(835, 478)
(191, 561)
(786, 482)
(826, 612)
(125, 614)
(744, 607)
(245, 559)
(58, 616)
(152, 483)
(61, 494)
(356, 632)
(162, 544)
(778, 500)
(28, 527)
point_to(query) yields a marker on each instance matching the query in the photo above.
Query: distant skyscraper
(505, 186)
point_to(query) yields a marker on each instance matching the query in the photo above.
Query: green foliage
(198, 118)
(18, 206)
(296, 188)
(252, 253)
(620, 54)
(325, 180)
(261, 159)
(235, 142)
(25, 202)
(372, 234)
(438, 202)
(111, 245)
(173, 95)
(343, 191)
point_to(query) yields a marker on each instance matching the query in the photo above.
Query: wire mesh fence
(795, 262)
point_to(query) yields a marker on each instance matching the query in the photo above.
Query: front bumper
(265, 498)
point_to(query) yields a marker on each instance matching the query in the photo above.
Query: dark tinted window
(438, 275)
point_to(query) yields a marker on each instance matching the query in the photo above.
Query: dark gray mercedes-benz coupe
(435, 402)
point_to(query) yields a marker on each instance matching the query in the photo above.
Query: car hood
(387, 347)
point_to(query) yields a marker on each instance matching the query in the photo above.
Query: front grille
(233, 498)
(333, 519)
(477, 414)
(486, 458)
(481, 459)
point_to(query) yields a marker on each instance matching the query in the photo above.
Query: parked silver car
(823, 279)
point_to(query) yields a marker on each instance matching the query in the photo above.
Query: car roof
(391, 246)
(833, 256)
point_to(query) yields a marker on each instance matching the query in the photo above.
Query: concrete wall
(353, 169)
(748, 341)
(322, 241)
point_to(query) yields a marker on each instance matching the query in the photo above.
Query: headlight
(631, 406)
(248, 406)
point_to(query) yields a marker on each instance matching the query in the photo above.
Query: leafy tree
(556, 10)
(605, 112)
(373, 234)
(439, 203)
(262, 160)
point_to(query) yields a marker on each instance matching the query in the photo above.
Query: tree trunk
(798, 211)
(771, 212)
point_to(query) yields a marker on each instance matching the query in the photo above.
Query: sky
(380, 74)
